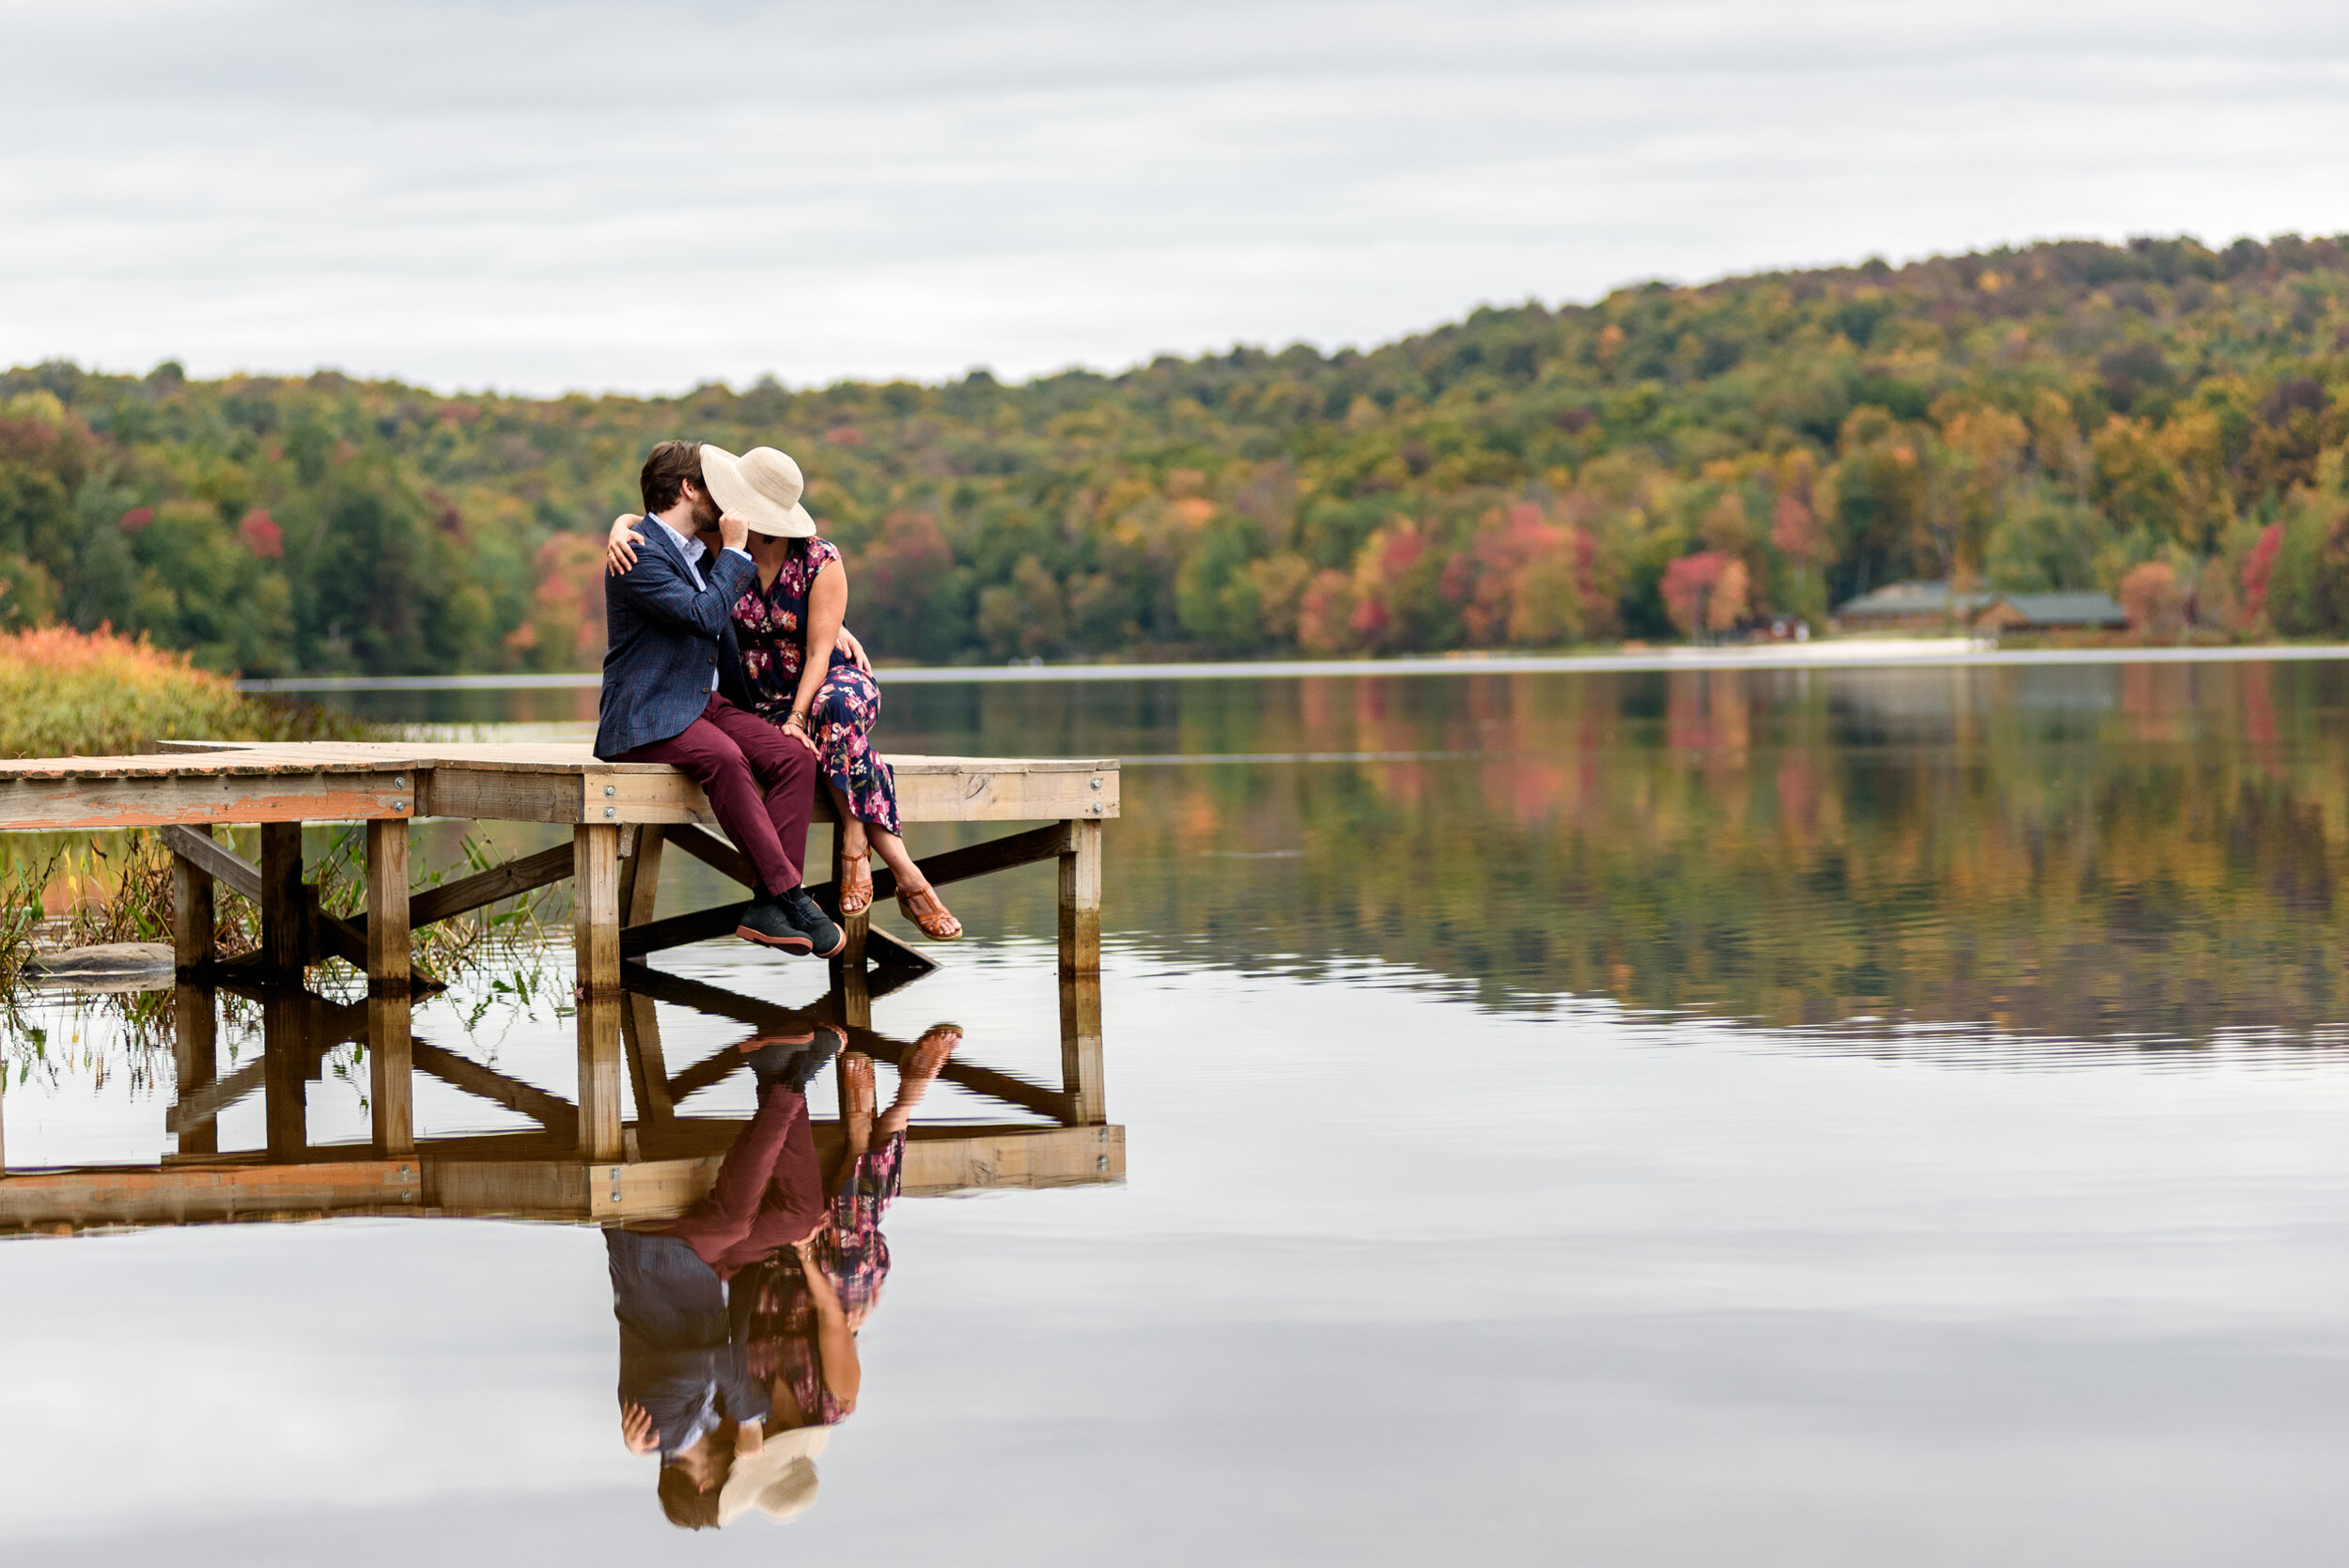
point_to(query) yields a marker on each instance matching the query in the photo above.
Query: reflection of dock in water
(667, 1160)
(582, 1161)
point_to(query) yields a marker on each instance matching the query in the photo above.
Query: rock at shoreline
(108, 967)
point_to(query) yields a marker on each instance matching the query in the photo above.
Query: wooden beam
(954, 865)
(326, 936)
(191, 1112)
(214, 858)
(712, 851)
(929, 789)
(888, 953)
(196, 1195)
(977, 859)
(773, 1017)
(678, 930)
(550, 1111)
(510, 881)
(648, 1063)
(152, 797)
(334, 937)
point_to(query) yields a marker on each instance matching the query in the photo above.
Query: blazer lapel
(668, 542)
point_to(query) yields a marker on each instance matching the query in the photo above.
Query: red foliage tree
(261, 536)
(2257, 567)
(1704, 592)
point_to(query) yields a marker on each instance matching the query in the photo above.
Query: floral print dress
(779, 1322)
(772, 627)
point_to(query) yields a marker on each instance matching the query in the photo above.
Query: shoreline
(1857, 654)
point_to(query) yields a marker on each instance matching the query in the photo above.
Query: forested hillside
(2159, 419)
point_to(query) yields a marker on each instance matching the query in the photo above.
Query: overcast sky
(644, 196)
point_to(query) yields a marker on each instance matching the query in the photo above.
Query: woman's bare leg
(852, 834)
(893, 854)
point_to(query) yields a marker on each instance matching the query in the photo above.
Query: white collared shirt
(692, 549)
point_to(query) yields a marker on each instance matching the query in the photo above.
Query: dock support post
(194, 913)
(1081, 1050)
(195, 1049)
(600, 1140)
(390, 942)
(596, 906)
(1080, 974)
(1080, 901)
(596, 935)
(286, 1075)
(392, 1072)
(285, 913)
(391, 1060)
(847, 971)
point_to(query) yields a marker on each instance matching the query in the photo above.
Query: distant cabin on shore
(1937, 607)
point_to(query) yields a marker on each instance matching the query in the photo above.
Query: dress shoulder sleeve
(820, 553)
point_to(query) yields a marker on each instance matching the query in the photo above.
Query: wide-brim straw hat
(779, 1480)
(762, 487)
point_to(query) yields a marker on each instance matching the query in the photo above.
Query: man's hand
(636, 1428)
(848, 644)
(733, 533)
(619, 551)
(749, 1438)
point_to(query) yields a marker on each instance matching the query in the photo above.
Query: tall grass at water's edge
(76, 693)
(72, 694)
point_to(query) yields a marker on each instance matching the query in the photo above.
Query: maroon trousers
(770, 1191)
(760, 781)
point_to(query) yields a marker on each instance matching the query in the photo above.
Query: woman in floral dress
(805, 1305)
(801, 680)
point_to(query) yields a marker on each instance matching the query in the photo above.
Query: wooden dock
(584, 1163)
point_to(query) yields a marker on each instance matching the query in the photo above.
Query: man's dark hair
(687, 1505)
(672, 464)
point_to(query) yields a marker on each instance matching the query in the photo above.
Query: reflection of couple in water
(738, 1322)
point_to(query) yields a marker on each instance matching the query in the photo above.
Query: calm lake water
(1707, 1118)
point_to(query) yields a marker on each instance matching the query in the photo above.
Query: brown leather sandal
(856, 882)
(928, 915)
(931, 1052)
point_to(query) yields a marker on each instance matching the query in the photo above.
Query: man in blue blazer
(669, 635)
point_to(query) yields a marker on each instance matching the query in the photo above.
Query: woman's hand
(854, 649)
(619, 551)
(796, 727)
(636, 1428)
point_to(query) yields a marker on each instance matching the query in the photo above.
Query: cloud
(544, 197)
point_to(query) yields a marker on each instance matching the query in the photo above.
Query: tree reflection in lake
(2072, 853)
